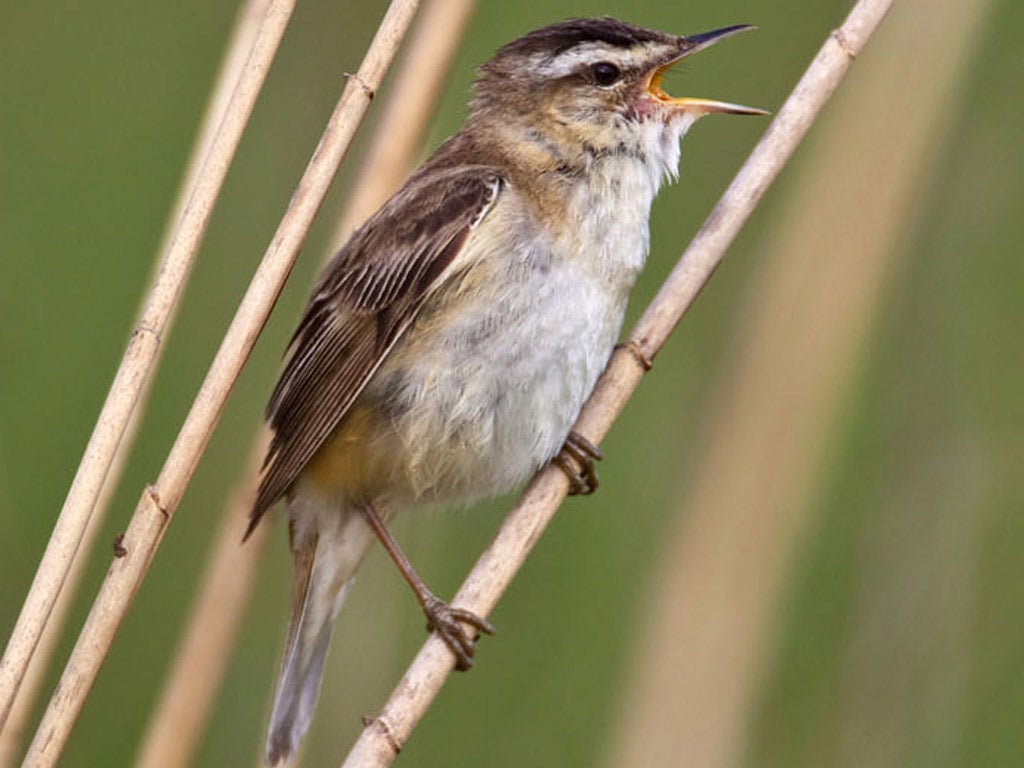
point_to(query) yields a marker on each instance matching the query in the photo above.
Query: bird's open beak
(690, 46)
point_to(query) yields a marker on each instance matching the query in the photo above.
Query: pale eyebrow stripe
(569, 61)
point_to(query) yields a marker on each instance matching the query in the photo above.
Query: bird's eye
(605, 73)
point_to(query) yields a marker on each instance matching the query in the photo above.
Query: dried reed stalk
(384, 736)
(177, 723)
(403, 120)
(143, 347)
(243, 35)
(201, 661)
(12, 735)
(160, 501)
(712, 617)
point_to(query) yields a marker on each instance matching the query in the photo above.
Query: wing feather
(366, 298)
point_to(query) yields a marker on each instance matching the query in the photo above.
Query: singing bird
(449, 345)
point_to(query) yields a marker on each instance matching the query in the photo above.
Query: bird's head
(596, 81)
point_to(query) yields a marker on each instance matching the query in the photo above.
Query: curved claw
(448, 621)
(443, 619)
(577, 459)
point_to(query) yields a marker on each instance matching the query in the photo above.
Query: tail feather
(327, 546)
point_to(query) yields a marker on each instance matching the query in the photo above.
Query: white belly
(484, 387)
(482, 399)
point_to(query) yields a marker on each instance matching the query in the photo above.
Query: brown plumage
(448, 347)
(361, 306)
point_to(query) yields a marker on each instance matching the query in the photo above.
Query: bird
(449, 345)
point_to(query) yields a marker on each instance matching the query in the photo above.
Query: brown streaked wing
(367, 297)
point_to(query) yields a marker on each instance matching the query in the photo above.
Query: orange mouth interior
(691, 104)
(654, 84)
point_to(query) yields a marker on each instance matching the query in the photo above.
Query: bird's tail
(327, 546)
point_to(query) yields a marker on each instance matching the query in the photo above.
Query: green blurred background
(885, 624)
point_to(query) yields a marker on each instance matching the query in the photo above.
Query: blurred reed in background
(806, 548)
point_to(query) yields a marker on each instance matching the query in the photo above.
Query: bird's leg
(577, 459)
(441, 617)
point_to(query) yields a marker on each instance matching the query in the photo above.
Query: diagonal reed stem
(160, 501)
(243, 35)
(384, 736)
(140, 357)
(176, 725)
(403, 121)
(726, 565)
(201, 662)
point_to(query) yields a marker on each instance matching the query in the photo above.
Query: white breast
(487, 383)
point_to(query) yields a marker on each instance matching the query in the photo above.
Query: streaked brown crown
(561, 56)
(550, 80)
(558, 38)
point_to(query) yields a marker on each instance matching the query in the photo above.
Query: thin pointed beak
(689, 46)
(695, 43)
(707, 106)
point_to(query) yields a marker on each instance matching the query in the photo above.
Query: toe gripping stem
(441, 618)
(577, 459)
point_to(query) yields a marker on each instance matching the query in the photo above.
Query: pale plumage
(449, 346)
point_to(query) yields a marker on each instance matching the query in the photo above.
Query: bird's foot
(577, 459)
(448, 623)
